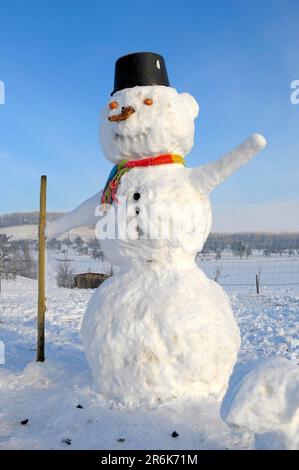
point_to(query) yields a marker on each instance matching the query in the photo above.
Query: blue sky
(57, 62)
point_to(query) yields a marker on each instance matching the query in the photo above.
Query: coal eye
(113, 105)
(148, 101)
(136, 196)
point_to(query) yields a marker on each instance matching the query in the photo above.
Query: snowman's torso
(169, 220)
(159, 328)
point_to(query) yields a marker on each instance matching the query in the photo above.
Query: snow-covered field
(48, 394)
(273, 271)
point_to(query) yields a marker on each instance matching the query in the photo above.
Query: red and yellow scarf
(109, 193)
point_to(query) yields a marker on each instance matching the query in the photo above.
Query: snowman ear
(191, 104)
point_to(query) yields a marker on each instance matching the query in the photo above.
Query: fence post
(257, 283)
(40, 355)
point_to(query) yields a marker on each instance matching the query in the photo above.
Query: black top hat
(140, 69)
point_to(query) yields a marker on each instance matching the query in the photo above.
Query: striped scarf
(109, 193)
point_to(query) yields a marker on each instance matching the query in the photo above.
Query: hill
(25, 218)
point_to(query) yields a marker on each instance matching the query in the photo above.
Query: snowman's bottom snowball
(153, 335)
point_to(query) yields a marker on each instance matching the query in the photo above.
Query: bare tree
(239, 249)
(94, 243)
(54, 244)
(8, 265)
(65, 273)
(267, 252)
(27, 266)
(95, 247)
(218, 274)
(67, 242)
(79, 243)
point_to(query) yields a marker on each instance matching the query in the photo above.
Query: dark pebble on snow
(67, 441)
(174, 434)
(24, 422)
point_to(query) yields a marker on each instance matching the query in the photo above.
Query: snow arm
(207, 177)
(83, 215)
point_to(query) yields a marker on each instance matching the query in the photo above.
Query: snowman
(158, 329)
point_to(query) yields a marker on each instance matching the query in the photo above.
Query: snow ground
(48, 394)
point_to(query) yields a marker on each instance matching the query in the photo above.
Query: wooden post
(40, 355)
(257, 283)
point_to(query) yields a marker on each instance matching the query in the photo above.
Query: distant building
(89, 280)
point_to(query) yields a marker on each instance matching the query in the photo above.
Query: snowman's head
(145, 121)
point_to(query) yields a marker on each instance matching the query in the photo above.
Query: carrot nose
(126, 112)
